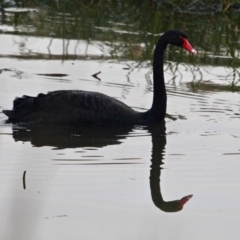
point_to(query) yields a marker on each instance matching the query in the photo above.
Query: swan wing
(69, 106)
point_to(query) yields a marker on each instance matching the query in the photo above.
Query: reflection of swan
(159, 142)
(70, 136)
(93, 108)
(74, 137)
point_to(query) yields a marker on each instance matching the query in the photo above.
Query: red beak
(186, 45)
(184, 200)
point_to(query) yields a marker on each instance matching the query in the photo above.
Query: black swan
(78, 107)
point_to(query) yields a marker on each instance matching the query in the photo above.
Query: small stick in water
(24, 177)
(95, 76)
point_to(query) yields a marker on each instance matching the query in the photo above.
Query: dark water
(121, 182)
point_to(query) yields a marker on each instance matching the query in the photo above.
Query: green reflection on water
(132, 30)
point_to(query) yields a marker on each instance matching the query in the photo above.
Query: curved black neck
(158, 109)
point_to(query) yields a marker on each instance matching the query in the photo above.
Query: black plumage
(77, 107)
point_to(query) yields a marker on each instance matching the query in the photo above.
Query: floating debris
(24, 178)
(52, 74)
(95, 76)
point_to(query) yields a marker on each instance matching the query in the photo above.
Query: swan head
(178, 38)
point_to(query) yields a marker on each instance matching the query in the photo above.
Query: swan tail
(21, 106)
(8, 113)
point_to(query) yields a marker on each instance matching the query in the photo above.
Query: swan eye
(186, 45)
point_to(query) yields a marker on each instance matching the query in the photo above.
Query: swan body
(76, 107)
(72, 107)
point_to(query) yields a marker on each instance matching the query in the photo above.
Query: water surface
(121, 182)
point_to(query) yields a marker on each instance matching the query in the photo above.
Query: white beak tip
(194, 51)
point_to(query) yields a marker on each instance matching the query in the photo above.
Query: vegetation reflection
(131, 35)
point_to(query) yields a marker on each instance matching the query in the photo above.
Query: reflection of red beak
(184, 200)
(186, 45)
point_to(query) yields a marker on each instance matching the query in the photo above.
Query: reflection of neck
(159, 142)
